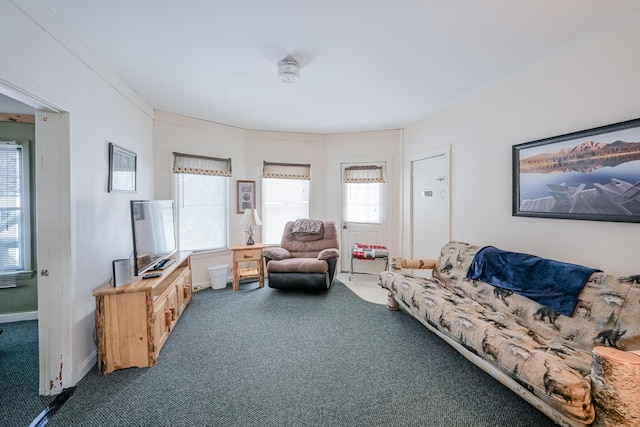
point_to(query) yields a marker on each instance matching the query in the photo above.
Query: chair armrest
(326, 254)
(276, 253)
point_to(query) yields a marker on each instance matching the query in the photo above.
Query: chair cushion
(362, 251)
(298, 265)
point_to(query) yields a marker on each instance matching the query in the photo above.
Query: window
(285, 197)
(363, 203)
(202, 194)
(363, 194)
(15, 220)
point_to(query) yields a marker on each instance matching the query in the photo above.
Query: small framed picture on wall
(246, 195)
(122, 169)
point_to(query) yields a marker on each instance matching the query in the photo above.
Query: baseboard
(87, 366)
(204, 284)
(18, 317)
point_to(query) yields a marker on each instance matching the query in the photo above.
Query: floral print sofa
(543, 356)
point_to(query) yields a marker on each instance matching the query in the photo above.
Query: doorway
(52, 240)
(364, 216)
(430, 204)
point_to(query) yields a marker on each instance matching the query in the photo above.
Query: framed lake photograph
(588, 175)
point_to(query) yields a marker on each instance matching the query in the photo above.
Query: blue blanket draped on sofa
(553, 284)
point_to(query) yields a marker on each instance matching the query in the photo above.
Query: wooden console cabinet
(134, 321)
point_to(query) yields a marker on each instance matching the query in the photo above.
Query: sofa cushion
(298, 265)
(598, 311)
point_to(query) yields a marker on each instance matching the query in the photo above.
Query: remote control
(151, 275)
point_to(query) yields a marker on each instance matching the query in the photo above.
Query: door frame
(54, 253)
(389, 213)
(54, 314)
(444, 150)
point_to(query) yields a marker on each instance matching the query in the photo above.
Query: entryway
(430, 204)
(364, 216)
(53, 239)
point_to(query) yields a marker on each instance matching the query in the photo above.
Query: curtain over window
(363, 174)
(286, 171)
(201, 165)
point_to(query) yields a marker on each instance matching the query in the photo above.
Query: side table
(250, 254)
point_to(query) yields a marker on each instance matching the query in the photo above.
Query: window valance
(201, 165)
(286, 171)
(363, 174)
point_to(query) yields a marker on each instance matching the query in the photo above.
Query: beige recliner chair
(307, 257)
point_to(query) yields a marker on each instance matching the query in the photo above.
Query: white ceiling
(366, 65)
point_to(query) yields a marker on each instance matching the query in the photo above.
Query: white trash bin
(218, 276)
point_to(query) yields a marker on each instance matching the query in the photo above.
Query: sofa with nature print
(570, 347)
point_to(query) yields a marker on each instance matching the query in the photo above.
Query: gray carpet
(19, 365)
(261, 357)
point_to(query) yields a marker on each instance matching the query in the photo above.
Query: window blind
(286, 171)
(10, 213)
(363, 174)
(201, 165)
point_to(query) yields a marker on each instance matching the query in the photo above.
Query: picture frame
(592, 175)
(122, 169)
(246, 192)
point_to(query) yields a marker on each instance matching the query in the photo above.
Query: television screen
(153, 233)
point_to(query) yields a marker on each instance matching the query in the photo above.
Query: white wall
(595, 84)
(44, 65)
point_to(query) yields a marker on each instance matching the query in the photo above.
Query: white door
(363, 218)
(429, 206)
(53, 251)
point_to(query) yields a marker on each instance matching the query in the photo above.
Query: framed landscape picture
(588, 175)
(246, 195)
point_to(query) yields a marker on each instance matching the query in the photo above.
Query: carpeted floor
(261, 357)
(19, 367)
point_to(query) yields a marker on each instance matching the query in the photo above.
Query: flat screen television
(154, 239)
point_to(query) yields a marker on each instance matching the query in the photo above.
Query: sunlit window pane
(202, 212)
(283, 200)
(362, 202)
(13, 220)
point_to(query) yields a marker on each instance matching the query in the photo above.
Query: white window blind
(202, 201)
(363, 192)
(14, 213)
(285, 197)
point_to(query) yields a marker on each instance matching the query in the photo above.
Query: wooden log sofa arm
(615, 385)
(398, 263)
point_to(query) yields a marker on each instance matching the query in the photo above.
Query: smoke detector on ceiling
(289, 70)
